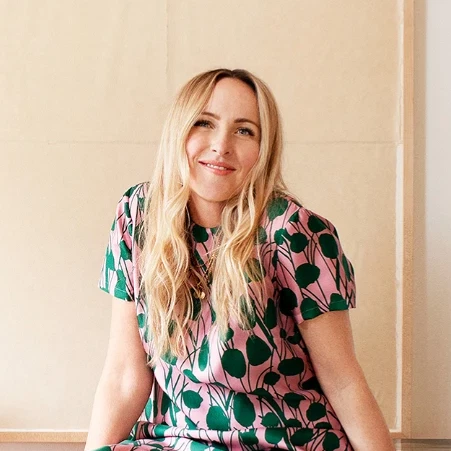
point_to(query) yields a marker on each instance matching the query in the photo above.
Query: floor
(423, 445)
(403, 445)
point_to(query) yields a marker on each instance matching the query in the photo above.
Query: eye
(246, 131)
(202, 123)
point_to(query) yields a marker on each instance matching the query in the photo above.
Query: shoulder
(132, 202)
(129, 216)
(135, 196)
(285, 212)
(310, 264)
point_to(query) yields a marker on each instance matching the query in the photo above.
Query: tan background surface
(84, 89)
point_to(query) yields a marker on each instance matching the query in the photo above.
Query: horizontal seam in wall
(145, 143)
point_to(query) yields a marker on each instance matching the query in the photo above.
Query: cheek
(250, 159)
(193, 147)
(190, 149)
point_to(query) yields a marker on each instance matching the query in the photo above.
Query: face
(223, 145)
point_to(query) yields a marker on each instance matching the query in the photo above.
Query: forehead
(232, 97)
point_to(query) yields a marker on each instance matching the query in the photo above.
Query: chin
(213, 196)
(215, 199)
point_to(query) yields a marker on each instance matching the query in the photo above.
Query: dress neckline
(201, 233)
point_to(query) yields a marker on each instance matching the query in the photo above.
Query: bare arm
(125, 383)
(343, 381)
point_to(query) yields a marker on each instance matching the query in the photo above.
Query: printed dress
(250, 389)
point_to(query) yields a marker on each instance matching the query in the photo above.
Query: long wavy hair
(168, 275)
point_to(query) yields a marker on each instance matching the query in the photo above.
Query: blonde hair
(167, 273)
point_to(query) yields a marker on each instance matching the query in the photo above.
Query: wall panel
(86, 89)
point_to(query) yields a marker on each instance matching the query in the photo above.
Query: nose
(222, 143)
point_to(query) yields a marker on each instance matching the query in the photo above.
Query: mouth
(217, 166)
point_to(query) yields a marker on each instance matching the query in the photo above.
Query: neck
(204, 213)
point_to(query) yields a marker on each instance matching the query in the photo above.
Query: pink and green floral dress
(250, 389)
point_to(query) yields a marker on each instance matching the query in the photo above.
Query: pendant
(200, 294)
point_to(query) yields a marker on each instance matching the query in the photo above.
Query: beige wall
(85, 87)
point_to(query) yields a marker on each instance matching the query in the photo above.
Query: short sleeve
(313, 272)
(117, 271)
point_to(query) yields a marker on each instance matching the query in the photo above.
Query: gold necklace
(206, 273)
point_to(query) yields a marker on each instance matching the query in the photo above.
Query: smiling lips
(217, 168)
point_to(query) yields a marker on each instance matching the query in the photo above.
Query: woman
(236, 334)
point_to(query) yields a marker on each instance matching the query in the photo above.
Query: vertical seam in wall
(399, 221)
(166, 69)
(400, 112)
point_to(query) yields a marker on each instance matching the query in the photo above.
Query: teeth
(216, 167)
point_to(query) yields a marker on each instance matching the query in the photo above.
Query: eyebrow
(239, 120)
